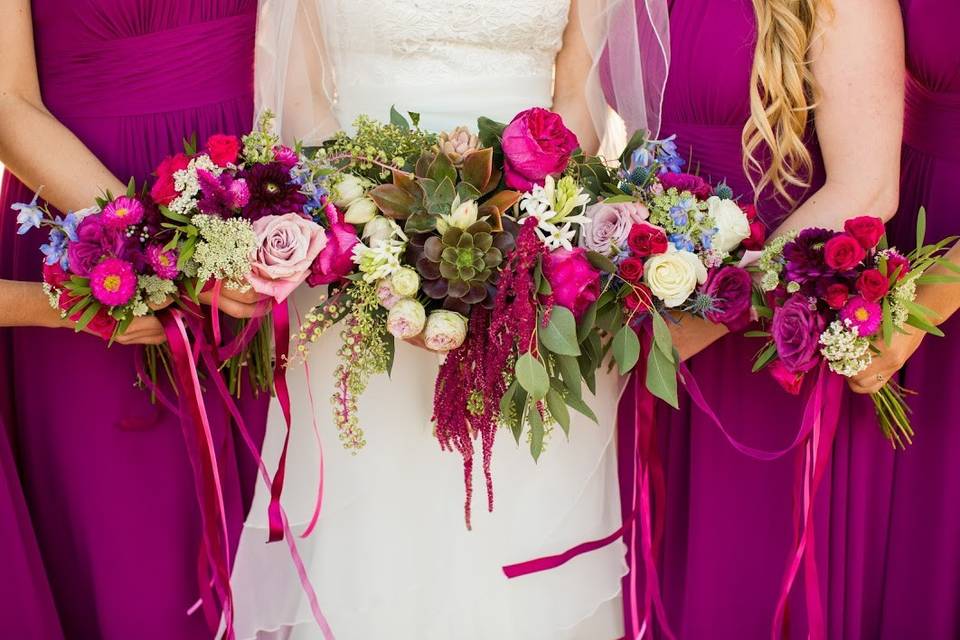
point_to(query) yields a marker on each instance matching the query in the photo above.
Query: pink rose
(610, 225)
(286, 247)
(843, 252)
(866, 229)
(575, 283)
(335, 262)
(535, 144)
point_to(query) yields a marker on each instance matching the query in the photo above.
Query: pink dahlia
(113, 282)
(862, 314)
(122, 212)
(163, 263)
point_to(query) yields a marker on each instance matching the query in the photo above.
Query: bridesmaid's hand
(692, 334)
(888, 362)
(235, 303)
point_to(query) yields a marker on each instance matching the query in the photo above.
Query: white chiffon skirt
(391, 557)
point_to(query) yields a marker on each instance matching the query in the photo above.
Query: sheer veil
(628, 41)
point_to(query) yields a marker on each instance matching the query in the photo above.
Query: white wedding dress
(390, 556)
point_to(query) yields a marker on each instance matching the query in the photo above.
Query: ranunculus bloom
(223, 149)
(862, 314)
(113, 282)
(646, 240)
(631, 270)
(535, 144)
(796, 330)
(790, 381)
(163, 191)
(406, 319)
(836, 295)
(445, 331)
(842, 252)
(866, 229)
(873, 285)
(758, 230)
(687, 182)
(610, 225)
(336, 260)
(287, 245)
(731, 289)
(575, 283)
(673, 276)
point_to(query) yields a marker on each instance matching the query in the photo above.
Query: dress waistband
(170, 70)
(932, 121)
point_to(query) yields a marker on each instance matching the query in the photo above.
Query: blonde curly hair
(783, 94)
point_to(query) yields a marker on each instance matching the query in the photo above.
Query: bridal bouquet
(522, 259)
(832, 296)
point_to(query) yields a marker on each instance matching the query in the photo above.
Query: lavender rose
(286, 247)
(535, 144)
(610, 225)
(796, 331)
(731, 290)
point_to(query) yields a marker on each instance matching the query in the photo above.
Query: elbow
(879, 198)
(885, 201)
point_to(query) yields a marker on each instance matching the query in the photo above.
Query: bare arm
(574, 63)
(943, 299)
(858, 64)
(33, 144)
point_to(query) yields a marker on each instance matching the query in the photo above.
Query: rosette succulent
(458, 144)
(459, 266)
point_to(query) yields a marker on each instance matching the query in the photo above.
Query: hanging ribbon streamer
(199, 440)
(281, 332)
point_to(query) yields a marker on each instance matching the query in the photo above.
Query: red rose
(897, 264)
(843, 252)
(758, 230)
(866, 229)
(646, 240)
(163, 191)
(631, 270)
(639, 300)
(790, 381)
(836, 295)
(222, 149)
(873, 285)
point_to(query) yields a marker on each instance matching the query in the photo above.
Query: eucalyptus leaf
(662, 377)
(560, 334)
(601, 262)
(626, 349)
(532, 376)
(397, 119)
(662, 338)
(577, 404)
(570, 372)
(558, 409)
(536, 432)
(391, 343)
(587, 322)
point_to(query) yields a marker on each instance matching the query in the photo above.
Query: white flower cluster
(905, 291)
(379, 261)
(224, 248)
(187, 184)
(558, 207)
(846, 351)
(53, 295)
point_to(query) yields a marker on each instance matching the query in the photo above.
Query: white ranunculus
(731, 222)
(405, 282)
(348, 189)
(446, 331)
(673, 276)
(406, 319)
(360, 211)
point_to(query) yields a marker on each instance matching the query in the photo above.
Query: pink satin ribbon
(281, 333)
(193, 413)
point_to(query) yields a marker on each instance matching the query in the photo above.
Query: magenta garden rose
(575, 283)
(796, 331)
(535, 144)
(731, 289)
(287, 245)
(335, 261)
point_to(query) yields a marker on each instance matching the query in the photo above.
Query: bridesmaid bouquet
(831, 296)
(523, 260)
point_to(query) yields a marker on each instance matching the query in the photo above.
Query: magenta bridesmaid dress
(105, 473)
(920, 596)
(729, 519)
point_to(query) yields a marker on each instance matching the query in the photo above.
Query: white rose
(378, 231)
(673, 276)
(360, 211)
(446, 331)
(406, 319)
(405, 282)
(348, 189)
(731, 222)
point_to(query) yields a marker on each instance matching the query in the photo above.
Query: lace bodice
(450, 60)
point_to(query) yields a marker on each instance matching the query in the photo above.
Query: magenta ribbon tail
(281, 326)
